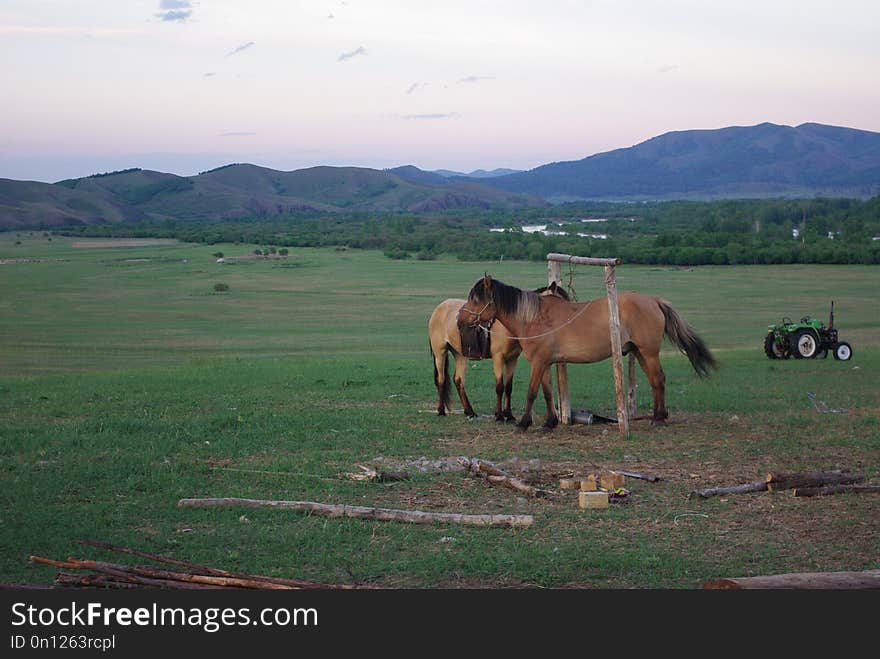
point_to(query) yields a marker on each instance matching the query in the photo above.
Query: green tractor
(807, 339)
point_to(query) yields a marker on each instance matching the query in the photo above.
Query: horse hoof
(658, 422)
(547, 428)
(510, 419)
(520, 428)
(499, 418)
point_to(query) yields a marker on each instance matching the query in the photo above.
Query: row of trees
(670, 233)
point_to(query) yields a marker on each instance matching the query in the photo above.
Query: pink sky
(180, 86)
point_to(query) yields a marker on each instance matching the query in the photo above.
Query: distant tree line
(663, 233)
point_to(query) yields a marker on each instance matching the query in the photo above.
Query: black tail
(685, 339)
(444, 390)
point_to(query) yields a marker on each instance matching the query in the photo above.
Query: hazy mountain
(477, 173)
(754, 161)
(238, 191)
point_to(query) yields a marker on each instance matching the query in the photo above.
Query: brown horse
(552, 330)
(444, 337)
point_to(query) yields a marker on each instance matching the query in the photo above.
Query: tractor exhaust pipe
(831, 317)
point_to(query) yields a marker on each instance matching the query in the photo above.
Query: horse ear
(553, 287)
(487, 282)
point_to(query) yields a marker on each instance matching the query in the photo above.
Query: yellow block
(588, 484)
(593, 499)
(612, 481)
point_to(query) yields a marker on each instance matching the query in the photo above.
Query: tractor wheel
(842, 351)
(772, 349)
(804, 344)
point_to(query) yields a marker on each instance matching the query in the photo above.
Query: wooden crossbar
(625, 402)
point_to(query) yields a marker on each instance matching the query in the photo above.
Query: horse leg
(441, 378)
(498, 368)
(460, 368)
(552, 420)
(535, 377)
(654, 371)
(509, 368)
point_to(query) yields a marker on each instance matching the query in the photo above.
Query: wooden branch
(209, 577)
(92, 581)
(780, 481)
(803, 580)
(834, 489)
(632, 474)
(364, 512)
(370, 474)
(193, 567)
(495, 475)
(733, 489)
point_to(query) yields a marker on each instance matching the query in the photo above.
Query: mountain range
(240, 191)
(766, 160)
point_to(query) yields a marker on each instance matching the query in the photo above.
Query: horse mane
(522, 305)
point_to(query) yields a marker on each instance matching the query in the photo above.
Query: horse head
(479, 309)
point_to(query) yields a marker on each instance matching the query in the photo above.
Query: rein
(476, 324)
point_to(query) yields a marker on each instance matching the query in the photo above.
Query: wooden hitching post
(563, 400)
(555, 274)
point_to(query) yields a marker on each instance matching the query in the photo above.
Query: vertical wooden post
(563, 398)
(616, 355)
(631, 397)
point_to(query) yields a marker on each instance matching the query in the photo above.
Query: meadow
(127, 382)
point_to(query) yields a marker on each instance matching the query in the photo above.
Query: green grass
(127, 382)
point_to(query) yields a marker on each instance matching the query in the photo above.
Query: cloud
(174, 10)
(471, 79)
(416, 86)
(434, 115)
(238, 49)
(241, 133)
(667, 68)
(360, 50)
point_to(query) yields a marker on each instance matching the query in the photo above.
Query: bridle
(476, 323)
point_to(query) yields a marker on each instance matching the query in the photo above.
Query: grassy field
(127, 383)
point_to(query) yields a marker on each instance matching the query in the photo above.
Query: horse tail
(444, 389)
(685, 339)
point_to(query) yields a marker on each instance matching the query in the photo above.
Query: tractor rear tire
(842, 351)
(804, 344)
(772, 349)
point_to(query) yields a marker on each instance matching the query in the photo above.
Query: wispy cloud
(667, 68)
(360, 50)
(174, 10)
(433, 115)
(472, 79)
(238, 49)
(416, 86)
(239, 133)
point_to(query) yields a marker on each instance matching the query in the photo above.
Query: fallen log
(804, 580)
(632, 474)
(495, 475)
(364, 512)
(122, 574)
(783, 481)
(733, 489)
(834, 489)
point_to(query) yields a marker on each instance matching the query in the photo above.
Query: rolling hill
(766, 160)
(239, 191)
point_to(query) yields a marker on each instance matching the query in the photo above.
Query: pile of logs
(806, 484)
(186, 575)
(495, 475)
